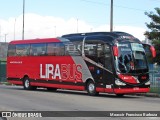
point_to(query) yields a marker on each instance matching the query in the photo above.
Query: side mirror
(115, 51)
(153, 51)
(150, 50)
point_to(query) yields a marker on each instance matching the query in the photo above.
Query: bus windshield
(131, 57)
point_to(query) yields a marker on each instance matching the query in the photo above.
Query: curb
(149, 94)
(138, 94)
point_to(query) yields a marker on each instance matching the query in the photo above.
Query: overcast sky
(52, 18)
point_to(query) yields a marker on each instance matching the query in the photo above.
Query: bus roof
(113, 34)
(104, 36)
(42, 40)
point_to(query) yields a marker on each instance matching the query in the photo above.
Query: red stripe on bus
(60, 86)
(15, 82)
(45, 40)
(131, 90)
(106, 90)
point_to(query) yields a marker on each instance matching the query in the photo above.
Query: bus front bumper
(131, 90)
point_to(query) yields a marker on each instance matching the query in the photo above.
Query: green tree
(154, 33)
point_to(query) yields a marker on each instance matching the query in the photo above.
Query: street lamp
(23, 19)
(111, 17)
(0, 33)
(5, 36)
(77, 25)
(14, 28)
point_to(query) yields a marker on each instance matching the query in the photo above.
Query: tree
(154, 33)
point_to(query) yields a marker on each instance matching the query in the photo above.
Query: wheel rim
(91, 87)
(27, 83)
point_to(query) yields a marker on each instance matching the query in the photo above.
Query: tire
(119, 95)
(91, 88)
(51, 89)
(27, 84)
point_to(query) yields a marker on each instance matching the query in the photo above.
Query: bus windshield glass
(131, 57)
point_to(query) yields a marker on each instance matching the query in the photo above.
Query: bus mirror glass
(115, 51)
(153, 51)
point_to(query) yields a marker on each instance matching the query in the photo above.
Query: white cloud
(37, 26)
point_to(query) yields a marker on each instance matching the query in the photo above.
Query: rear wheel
(120, 95)
(91, 88)
(51, 89)
(27, 84)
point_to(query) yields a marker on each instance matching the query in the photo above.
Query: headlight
(117, 82)
(148, 83)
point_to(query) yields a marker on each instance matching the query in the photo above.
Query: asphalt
(138, 94)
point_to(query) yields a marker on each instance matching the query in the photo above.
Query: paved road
(14, 98)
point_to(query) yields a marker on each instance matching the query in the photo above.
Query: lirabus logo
(61, 71)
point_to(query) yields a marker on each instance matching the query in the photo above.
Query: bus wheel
(51, 89)
(27, 85)
(91, 88)
(120, 95)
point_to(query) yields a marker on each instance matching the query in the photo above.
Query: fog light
(117, 82)
(147, 83)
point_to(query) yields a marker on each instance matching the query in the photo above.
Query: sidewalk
(148, 94)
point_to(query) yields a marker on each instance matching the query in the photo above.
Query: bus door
(108, 76)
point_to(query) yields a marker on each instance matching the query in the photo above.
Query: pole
(55, 30)
(23, 19)
(0, 33)
(5, 36)
(111, 17)
(77, 25)
(14, 28)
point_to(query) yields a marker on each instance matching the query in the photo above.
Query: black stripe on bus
(49, 81)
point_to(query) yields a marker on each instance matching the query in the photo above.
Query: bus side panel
(47, 71)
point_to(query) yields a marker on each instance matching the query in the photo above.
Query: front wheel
(91, 88)
(27, 84)
(119, 95)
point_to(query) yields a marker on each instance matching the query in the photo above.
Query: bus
(96, 62)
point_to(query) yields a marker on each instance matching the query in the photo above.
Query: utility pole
(111, 17)
(77, 25)
(14, 29)
(23, 19)
(5, 37)
(0, 33)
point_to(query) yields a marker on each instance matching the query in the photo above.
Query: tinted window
(108, 57)
(22, 50)
(55, 49)
(11, 50)
(38, 49)
(90, 49)
(73, 48)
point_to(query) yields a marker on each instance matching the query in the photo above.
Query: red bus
(111, 62)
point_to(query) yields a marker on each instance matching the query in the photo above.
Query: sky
(53, 18)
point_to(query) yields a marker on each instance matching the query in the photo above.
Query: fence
(155, 78)
(2, 71)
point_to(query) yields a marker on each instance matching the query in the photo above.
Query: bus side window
(90, 49)
(38, 49)
(73, 48)
(11, 50)
(22, 49)
(55, 49)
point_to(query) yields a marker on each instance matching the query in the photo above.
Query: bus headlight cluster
(118, 82)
